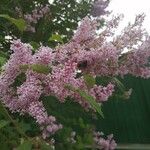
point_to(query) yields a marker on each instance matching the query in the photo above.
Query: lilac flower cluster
(103, 54)
(36, 15)
(102, 143)
(98, 8)
(102, 93)
(88, 27)
(25, 98)
(88, 53)
(137, 62)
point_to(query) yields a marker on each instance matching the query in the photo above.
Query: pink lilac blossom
(131, 35)
(22, 55)
(35, 16)
(25, 99)
(44, 56)
(102, 61)
(61, 76)
(102, 143)
(47, 123)
(137, 62)
(87, 52)
(29, 91)
(98, 8)
(108, 31)
(86, 31)
(101, 93)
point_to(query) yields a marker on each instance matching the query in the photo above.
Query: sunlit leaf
(56, 37)
(19, 23)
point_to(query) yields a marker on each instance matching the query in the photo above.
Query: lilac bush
(55, 72)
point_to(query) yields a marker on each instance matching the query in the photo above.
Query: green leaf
(19, 80)
(3, 123)
(3, 54)
(56, 37)
(101, 80)
(24, 67)
(3, 110)
(24, 126)
(19, 23)
(81, 123)
(45, 146)
(26, 145)
(89, 80)
(92, 101)
(2, 60)
(34, 45)
(119, 84)
(39, 68)
(96, 106)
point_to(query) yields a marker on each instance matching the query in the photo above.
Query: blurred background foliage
(128, 119)
(62, 19)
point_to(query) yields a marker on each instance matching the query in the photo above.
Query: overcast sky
(130, 8)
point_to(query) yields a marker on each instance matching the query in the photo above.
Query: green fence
(129, 120)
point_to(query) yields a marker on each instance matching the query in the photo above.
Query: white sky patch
(51, 1)
(130, 8)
